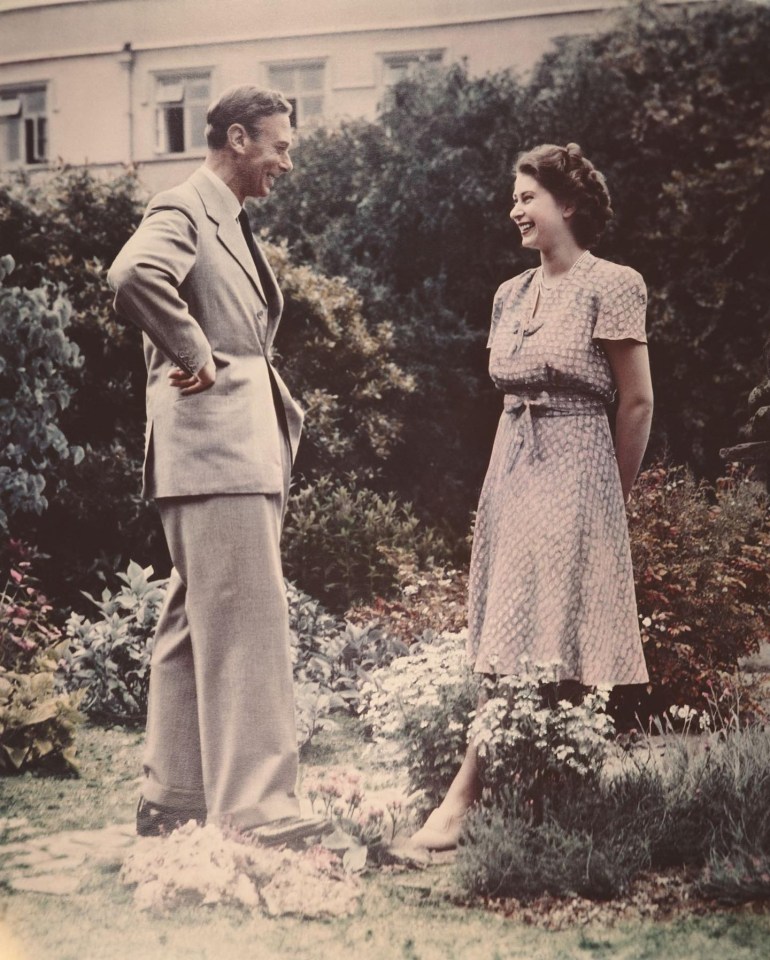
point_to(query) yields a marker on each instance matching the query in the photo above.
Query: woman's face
(542, 220)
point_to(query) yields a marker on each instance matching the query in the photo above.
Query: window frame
(187, 105)
(411, 59)
(297, 96)
(32, 129)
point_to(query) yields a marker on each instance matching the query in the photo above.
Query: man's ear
(236, 136)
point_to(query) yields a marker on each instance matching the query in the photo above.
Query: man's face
(266, 156)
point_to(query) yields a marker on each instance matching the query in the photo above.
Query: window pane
(29, 141)
(35, 101)
(174, 130)
(42, 139)
(169, 92)
(9, 140)
(198, 89)
(282, 78)
(196, 117)
(312, 107)
(10, 108)
(311, 78)
(395, 72)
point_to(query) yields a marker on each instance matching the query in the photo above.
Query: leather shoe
(154, 820)
(290, 830)
(441, 831)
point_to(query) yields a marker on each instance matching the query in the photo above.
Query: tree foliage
(36, 357)
(672, 104)
(339, 363)
(675, 106)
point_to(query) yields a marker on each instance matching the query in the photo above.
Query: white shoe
(441, 831)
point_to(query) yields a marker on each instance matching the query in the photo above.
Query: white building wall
(101, 97)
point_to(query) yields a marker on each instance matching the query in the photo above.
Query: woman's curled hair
(572, 179)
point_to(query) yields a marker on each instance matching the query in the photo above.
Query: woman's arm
(631, 371)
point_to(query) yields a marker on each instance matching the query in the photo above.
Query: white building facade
(116, 82)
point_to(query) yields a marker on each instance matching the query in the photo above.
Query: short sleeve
(501, 298)
(622, 309)
(497, 312)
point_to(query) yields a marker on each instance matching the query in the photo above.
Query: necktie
(264, 279)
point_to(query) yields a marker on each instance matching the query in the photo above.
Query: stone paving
(59, 864)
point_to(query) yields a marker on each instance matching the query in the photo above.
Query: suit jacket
(187, 278)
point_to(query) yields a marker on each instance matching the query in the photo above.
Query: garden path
(60, 863)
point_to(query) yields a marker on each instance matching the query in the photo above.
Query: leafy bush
(36, 358)
(36, 721)
(26, 630)
(363, 828)
(509, 852)
(702, 582)
(700, 806)
(432, 597)
(672, 104)
(343, 542)
(109, 659)
(423, 702)
(342, 370)
(713, 798)
(527, 738)
(65, 230)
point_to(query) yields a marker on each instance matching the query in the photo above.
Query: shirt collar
(227, 196)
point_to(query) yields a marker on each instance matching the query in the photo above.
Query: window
(23, 126)
(303, 86)
(399, 66)
(181, 102)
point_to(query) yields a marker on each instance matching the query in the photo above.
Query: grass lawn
(404, 914)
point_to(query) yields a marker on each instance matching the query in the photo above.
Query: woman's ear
(568, 210)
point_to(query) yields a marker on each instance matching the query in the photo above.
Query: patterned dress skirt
(551, 575)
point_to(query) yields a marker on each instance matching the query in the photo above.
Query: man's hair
(245, 104)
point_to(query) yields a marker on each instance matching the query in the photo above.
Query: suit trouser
(220, 727)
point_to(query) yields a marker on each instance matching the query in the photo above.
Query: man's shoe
(290, 830)
(153, 820)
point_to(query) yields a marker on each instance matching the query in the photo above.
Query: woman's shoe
(441, 831)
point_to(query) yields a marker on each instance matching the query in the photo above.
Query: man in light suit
(222, 431)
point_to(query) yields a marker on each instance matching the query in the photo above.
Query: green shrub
(527, 737)
(37, 721)
(333, 653)
(702, 584)
(109, 659)
(700, 806)
(343, 542)
(36, 358)
(341, 368)
(738, 877)
(423, 703)
(508, 851)
(26, 630)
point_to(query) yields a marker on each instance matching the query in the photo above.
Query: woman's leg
(441, 830)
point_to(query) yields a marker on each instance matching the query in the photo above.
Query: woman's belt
(523, 408)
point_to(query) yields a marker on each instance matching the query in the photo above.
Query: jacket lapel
(228, 230)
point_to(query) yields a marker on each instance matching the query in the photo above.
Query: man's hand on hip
(189, 383)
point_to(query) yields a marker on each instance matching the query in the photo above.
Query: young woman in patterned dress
(551, 576)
